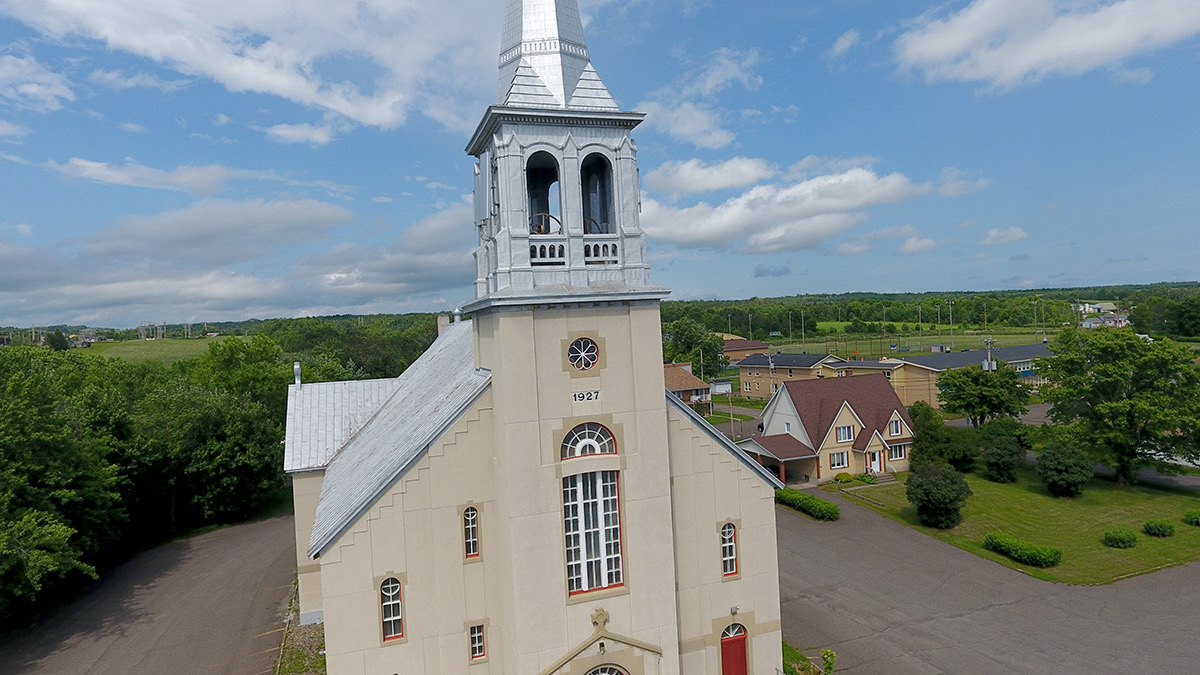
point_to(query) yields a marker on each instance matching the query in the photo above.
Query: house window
(477, 648)
(592, 523)
(471, 532)
(393, 623)
(774, 387)
(746, 386)
(756, 386)
(728, 549)
(894, 429)
(887, 374)
(839, 460)
(789, 373)
(787, 427)
(588, 439)
(845, 434)
(896, 452)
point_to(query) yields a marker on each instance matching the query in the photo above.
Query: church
(528, 498)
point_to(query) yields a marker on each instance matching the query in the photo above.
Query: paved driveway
(891, 600)
(213, 603)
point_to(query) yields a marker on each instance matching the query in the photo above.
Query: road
(212, 603)
(891, 600)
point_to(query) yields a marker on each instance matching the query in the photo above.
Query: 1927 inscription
(581, 396)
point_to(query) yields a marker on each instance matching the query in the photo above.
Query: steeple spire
(544, 61)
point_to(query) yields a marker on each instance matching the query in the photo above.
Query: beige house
(528, 498)
(815, 429)
(737, 349)
(680, 381)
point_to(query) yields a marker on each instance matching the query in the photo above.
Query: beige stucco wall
(306, 489)
(830, 445)
(713, 488)
(913, 383)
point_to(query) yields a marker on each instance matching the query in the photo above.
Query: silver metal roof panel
(432, 395)
(323, 416)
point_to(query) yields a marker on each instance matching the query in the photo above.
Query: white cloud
(117, 79)
(372, 61)
(300, 133)
(813, 165)
(210, 179)
(694, 175)
(954, 186)
(769, 218)
(852, 248)
(217, 231)
(917, 245)
(1011, 42)
(727, 66)
(382, 199)
(695, 123)
(12, 130)
(220, 120)
(844, 43)
(1004, 236)
(131, 127)
(29, 84)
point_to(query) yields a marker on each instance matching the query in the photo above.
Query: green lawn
(723, 400)
(720, 418)
(166, 351)
(1024, 509)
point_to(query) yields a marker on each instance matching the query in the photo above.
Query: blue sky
(209, 160)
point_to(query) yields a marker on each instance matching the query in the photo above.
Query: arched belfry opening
(542, 187)
(596, 180)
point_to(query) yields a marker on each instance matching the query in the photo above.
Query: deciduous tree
(1129, 402)
(982, 395)
(686, 340)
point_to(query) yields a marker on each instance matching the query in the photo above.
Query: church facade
(527, 497)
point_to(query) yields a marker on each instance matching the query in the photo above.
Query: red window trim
(482, 643)
(734, 573)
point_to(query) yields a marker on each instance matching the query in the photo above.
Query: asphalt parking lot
(891, 600)
(212, 603)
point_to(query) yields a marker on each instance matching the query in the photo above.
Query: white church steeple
(544, 61)
(557, 192)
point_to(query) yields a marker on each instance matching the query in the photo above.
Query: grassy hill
(166, 351)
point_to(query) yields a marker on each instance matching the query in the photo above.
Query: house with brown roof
(815, 429)
(738, 349)
(681, 382)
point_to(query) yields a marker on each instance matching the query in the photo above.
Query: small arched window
(729, 564)
(588, 438)
(389, 598)
(542, 188)
(596, 177)
(606, 670)
(471, 532)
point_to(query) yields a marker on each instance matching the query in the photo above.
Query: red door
(733, 651)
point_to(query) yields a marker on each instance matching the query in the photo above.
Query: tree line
(100, 457)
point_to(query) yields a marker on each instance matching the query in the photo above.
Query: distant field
(863, 346)
(165, 351)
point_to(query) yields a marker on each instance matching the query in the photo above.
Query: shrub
(865, 478)
(958, 446)
(1001, 459)
(1005, 427)
(843, 477)
(1064, 470)
(1021, 550)
(938, 492)
(1120, 537)
(1192, 517)
(1159, 528)
(809, 504)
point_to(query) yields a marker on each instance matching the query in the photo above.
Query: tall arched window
(471, 532)
(729, 564)
(592, 523)
(588, 438)
(389, 598)
(542, 187)
(733, 650)
(596, 177)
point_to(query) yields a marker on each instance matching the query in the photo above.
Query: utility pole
(951, 303)
(989, 365)
(791, 336)
(802, 330)
(750, 319)
(920, 331)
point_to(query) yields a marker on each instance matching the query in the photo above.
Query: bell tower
(557, 194)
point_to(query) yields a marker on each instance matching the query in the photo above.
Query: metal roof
(432, 394)
(782, 360)
(323, 416)
(977, 356)
(720, 439)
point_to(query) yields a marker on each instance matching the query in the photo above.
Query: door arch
(733, 650)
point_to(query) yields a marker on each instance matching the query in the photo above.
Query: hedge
(1120, 537)
(843, 477)
(1192, 517)
(805, 503)
(1159, 528)
(1021, 550)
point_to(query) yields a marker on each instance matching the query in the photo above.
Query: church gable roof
(432, 394)
(323, 416)
(720, 439)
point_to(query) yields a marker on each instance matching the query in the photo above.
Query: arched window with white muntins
(606, 670)
(389, 598)
(588, 438)
(592, 525)
(729, 563)
(471, 532)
